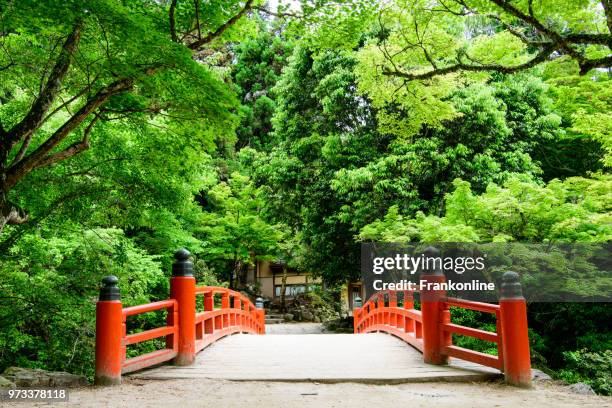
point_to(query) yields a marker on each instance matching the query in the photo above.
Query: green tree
(233, 231)
(47, 283)
(574, 210)
(101, 61)
(445, 37)
(259, 62)
(345, 168)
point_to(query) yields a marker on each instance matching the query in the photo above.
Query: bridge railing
(237, 314)
(170, 332)
(381, 313)
(430, 329)
(186, 331)
(448, 329)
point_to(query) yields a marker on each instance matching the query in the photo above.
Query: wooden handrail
(467, 304)
(148, 307)
(215, 290)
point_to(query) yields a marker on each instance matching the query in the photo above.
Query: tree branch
(19, 170)
(534, 22)
(540, 57)
(7, 66)
(172, 21)
(589, 64)
(72, 149)
(607, 6)
(526, 40)
(35, 116)
(11, 214)
(85, 172)
(599, 39)
(277, 14)
(551, 42)
(214, 34)
(26, 143)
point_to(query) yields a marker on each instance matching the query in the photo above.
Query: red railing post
(380, 305)
(408, 304)
(109, 333)
(182, 289)
(356, 318)
(515, 336)
(262, 321)
(225, 304)
(392, 313)
(209, 305)
(431, 310)
(235, 321)
(172, 319)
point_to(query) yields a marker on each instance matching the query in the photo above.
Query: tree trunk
(283, 307)
(234, 271)
(9, 213)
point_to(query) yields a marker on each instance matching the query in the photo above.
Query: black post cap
(511, 286)
(109, 289)
(182, 266)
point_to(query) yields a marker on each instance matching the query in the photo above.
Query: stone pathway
(295, 328)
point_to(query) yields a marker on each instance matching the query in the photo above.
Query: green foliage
(233, 229)
(322, 128)
(477, 320)
(124, 204)
(49, 284)
(575, 210)
(342, 165)
(259, 62)
(593, 369)
(585, 104)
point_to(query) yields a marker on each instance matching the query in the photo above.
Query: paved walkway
(369, 358)
(295, 328)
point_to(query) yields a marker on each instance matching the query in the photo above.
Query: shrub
(592, 368)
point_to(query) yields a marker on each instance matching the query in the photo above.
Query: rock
(582, 389)
(288, 317)
(307, 315)
(63, 379)
(26, 377)
(4, 383)
(540, 375)
(35, 377)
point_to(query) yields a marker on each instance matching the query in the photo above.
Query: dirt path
(222, 394)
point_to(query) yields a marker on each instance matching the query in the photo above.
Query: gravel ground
(219, 393)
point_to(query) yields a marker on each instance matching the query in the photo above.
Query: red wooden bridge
(190, 329)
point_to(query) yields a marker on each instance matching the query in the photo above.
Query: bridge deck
(370, 358)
